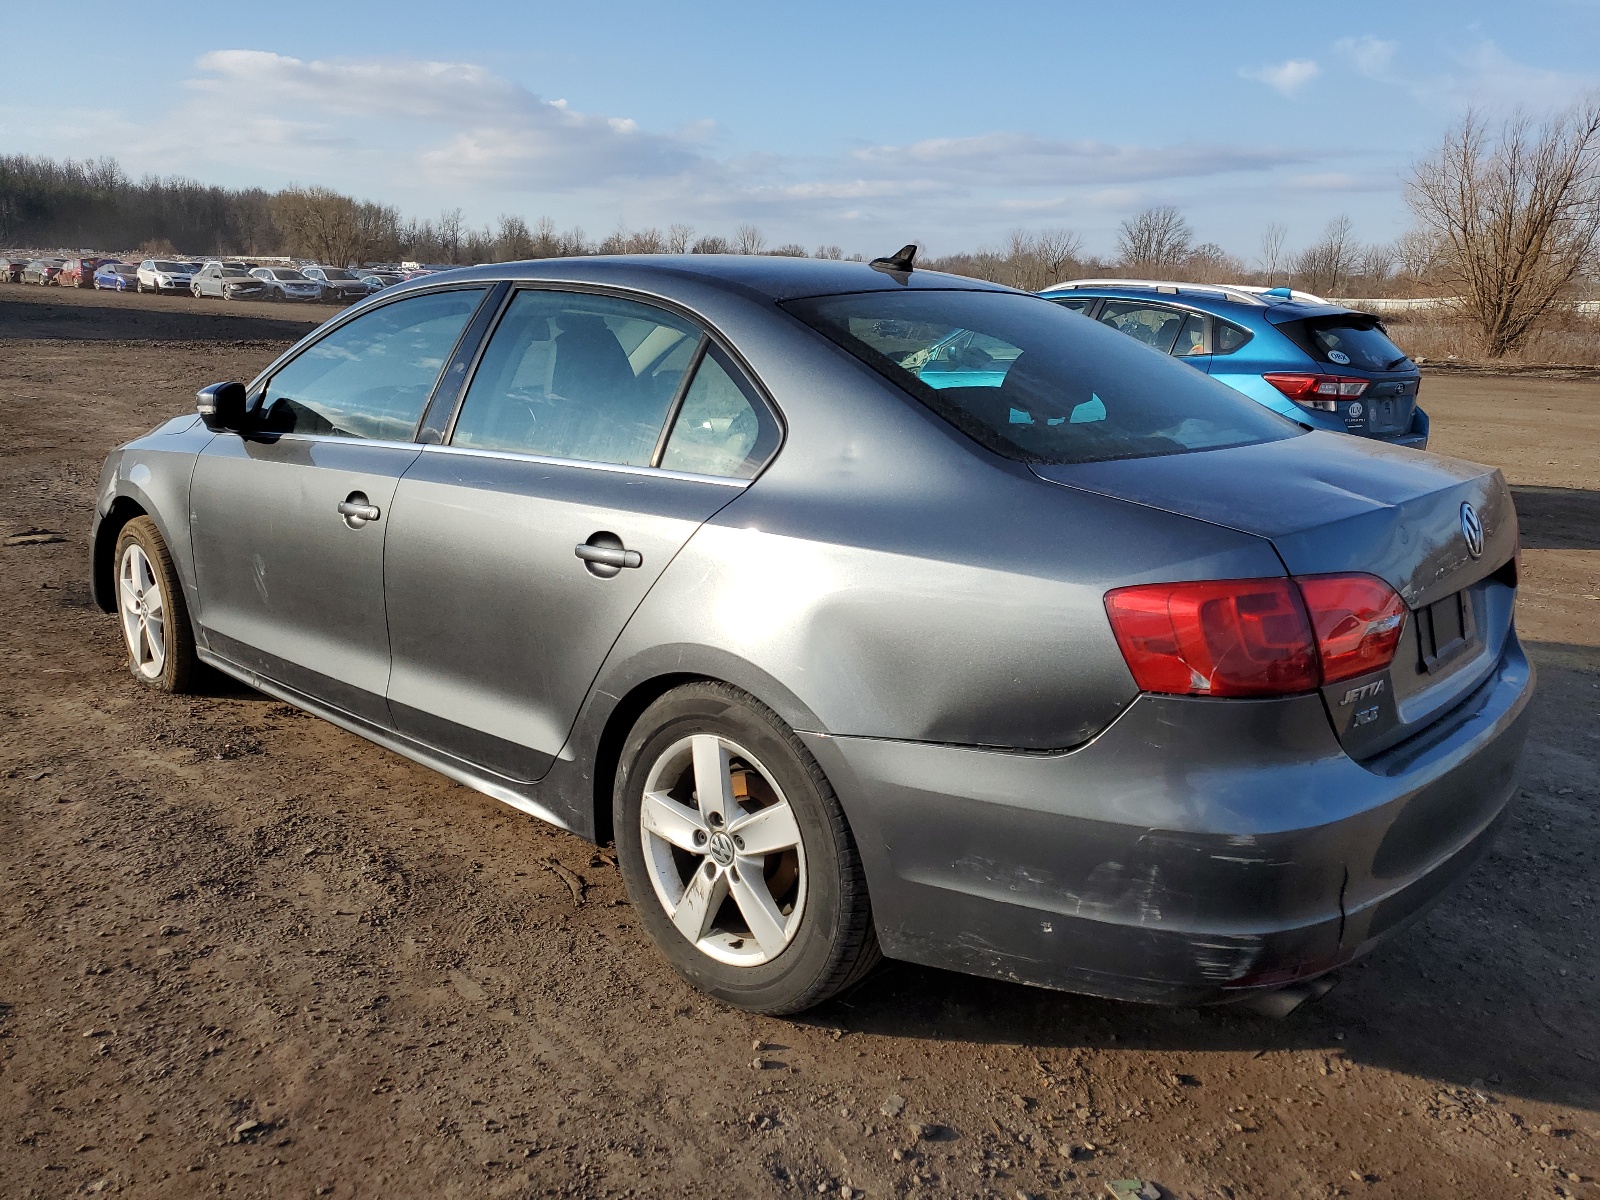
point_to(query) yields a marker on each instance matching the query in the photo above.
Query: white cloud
(1370, 55)
(1486, 77)
(1026, 160)
(492, 129)
(1286, 78)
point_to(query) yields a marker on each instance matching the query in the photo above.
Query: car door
(519, 549)
(288, 522)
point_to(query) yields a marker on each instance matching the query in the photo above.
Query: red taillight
(1357, 619)
(1228, 637)
(1255, 637)
(1317, 391)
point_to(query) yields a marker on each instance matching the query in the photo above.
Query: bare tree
(1325, 267)
(679, 238)
(321, 224)
(1059, 252)
(747, 239)
(711, 244)
(834, 252)
(1154, 242)
(1210, 263)
(1515, 215)
(449, 235)
(788, 250)
(1272, 240)
(515, 241)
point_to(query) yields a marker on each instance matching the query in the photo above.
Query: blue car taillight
(1316, 391)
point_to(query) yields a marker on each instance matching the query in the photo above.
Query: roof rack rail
(1244, 292)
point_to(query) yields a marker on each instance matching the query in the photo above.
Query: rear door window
(1153, 324)
(578, 376)
(371, 377)
(1192, 337)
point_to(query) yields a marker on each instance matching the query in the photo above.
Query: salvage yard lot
(247, 953)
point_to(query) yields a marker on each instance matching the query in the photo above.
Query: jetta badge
(1472, 530)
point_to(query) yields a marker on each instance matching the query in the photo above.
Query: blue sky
(860, 124)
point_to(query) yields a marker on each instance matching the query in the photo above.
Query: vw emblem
(1472, 530)
(721, 848)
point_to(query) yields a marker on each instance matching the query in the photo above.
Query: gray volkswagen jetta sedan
(870, 611)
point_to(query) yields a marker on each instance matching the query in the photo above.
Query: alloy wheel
(143, 610)
(723, 850)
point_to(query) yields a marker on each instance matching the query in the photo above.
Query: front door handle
(357, 510)
(605, 555)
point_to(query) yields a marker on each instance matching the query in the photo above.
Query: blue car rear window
(1036, 383)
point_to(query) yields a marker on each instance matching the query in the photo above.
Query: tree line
(1507, 227)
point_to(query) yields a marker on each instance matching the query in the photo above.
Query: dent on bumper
(1195, 850)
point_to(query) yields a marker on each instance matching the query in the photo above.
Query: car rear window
(1354, 340)
(1033, 382)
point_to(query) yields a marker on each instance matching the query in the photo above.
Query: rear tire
(771, 930)
(151, 610)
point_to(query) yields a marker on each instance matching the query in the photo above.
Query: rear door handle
(608, 556)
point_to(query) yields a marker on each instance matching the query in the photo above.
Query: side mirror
(222, 407)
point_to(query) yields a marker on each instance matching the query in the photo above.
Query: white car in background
(286, 283)
(165, 275)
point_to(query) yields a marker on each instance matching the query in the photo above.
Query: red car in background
(79, 272)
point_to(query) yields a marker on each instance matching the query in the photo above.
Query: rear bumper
(1195, 851)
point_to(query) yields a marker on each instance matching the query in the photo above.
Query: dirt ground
(246, 953)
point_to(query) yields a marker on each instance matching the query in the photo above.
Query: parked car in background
(226, 283)
(338, 284)
(1091, 672)
(79, 272)
(43, 271)
(165, 275)
(116, 277)
(286, 283)
(11, 269)
(376, 280)
(233, 264)
(1316, 362)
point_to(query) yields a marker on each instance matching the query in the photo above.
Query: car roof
(773, 276)
(1276, 304)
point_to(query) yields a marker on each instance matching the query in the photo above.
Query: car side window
(571, 375)
(1151, 324)
(1192, 337)
(723, 428)
(1229, 337)
(1077, 304)
(371, 377)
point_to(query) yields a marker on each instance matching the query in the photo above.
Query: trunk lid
(1330, 503)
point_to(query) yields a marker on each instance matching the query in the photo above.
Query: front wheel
(736, 852)
(150, 604)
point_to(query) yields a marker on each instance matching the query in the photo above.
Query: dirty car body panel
(926, 611)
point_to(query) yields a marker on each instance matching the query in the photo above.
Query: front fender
(148, 476)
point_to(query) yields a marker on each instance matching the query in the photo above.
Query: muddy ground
(246, 953)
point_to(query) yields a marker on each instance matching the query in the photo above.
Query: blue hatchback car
(1315, 362)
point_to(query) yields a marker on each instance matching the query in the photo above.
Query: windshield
(235, 273)
(162, 265)
(336, 273)
(1035, 382)
(282, 273)
(1354, 341)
